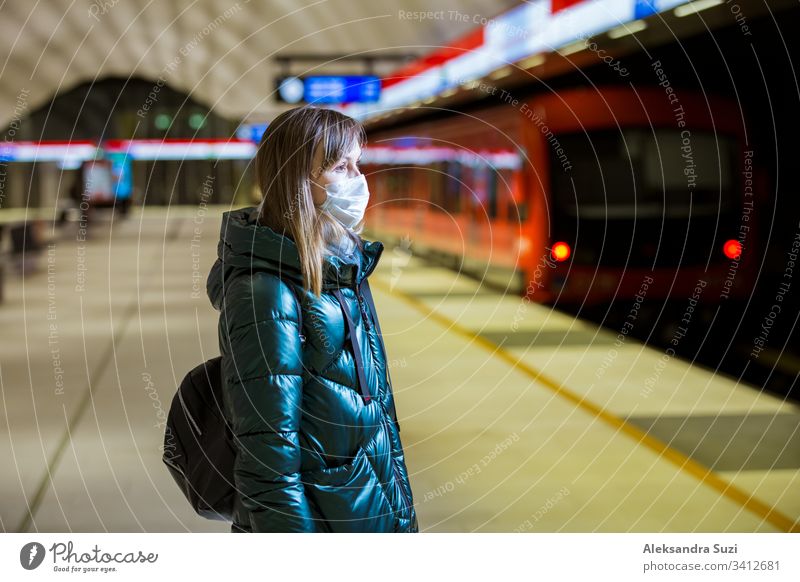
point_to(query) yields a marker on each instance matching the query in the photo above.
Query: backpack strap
(362, 380)
(371, 304)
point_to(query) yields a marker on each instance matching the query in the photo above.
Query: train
(581, 196)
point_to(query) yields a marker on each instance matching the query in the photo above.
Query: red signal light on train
(560, 251)
(732, 248)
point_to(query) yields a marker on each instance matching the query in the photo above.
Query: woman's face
(347, 167)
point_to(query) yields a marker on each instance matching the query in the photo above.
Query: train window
(511, 197)
(522, 209)
(436, 188)
(466, 187)
(397, 187)
(452, 191)
(641, 173)
(506, 205)
(691, 169)
(492, 189)
(600, 176)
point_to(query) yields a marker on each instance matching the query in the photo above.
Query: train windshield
(644, 173)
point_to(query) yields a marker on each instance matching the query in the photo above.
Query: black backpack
(198, 441)
(199, 451)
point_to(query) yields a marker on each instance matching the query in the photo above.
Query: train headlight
(732, 249)
(560, 251)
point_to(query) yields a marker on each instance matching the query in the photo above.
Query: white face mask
(347, 200)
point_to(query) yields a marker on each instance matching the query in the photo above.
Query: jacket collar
(244, 244)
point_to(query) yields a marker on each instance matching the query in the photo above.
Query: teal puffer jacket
(316, 451)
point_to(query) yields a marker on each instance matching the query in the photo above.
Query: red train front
(581, 196)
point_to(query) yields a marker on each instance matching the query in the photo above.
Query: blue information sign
(251, 131)
(645, 8)
(342, 89)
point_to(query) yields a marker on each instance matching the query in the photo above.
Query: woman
(306, 384)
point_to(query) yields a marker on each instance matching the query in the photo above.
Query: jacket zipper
(365, 318)
(395, 470)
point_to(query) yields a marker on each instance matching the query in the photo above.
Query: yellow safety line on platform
(704, 474)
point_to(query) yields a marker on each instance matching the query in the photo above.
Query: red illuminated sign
(556, 5)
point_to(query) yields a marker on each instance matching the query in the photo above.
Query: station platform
(515, 417)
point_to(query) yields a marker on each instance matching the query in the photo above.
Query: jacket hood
(246, 246)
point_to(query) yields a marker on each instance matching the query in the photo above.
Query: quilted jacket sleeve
(264, 387)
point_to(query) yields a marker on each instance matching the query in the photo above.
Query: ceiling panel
(225, 48)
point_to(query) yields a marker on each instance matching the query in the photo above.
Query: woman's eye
(340, 168)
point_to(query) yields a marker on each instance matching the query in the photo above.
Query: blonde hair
(283, 167)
